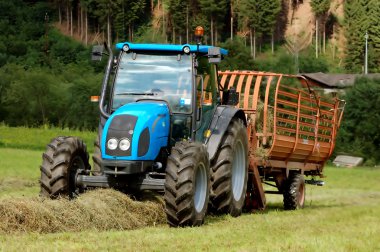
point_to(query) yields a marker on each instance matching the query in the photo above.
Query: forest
(46, 76)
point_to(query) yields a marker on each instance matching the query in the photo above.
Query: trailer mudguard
(222, 117)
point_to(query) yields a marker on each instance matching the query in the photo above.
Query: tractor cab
(155, 95)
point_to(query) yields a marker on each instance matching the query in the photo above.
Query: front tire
(63, 160)
(187, 184)
(230, 171)
(294, 192)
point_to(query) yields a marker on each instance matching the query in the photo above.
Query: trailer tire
(229, 171)
(187, 184)
(294, 192)
(64, 158)
(96, 158)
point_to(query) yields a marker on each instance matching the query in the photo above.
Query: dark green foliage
(320, 7)
(46, 78)
(360, 129)
(178, 11)
(259, 15)
(238, 57)
(360, 17)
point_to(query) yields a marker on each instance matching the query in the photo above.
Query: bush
(360, 129)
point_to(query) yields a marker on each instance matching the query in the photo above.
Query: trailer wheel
(294, 192)
(96, 157)
(230, 171)
(187, 184)
(64, 158)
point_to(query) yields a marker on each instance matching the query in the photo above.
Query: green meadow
(343, 215)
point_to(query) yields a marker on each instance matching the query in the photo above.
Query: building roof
(335, 80)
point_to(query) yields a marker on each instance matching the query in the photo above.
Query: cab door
(207, 96)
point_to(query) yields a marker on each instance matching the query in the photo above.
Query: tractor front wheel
(294, 191)
(63, 160)
(230, 171)
(187, 184)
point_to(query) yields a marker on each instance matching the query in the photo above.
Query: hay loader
(208, 140)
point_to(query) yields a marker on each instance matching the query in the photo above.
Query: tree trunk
(86, 28)
(272, 42)
(82, 23)
(212, 31)
(78, 20)
(67, 18)
(59, 13)
(173, 35)
(187, 24)
(216, 34)
(163, 22)
(254, 43)
(316, 38)
(129, 32)
(71, 22)
(251, 43)
(109, 40)
(232, 28)
(324, 38)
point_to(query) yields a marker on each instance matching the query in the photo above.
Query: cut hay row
(94, 210)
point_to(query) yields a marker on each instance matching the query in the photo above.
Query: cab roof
(168, 47)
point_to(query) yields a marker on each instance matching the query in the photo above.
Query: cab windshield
(155, 77)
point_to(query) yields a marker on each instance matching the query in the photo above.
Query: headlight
(124, 144)
(126, 48)
(112, 144)
(186, 49)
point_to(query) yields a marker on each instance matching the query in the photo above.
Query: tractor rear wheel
(187, 184)
(229, 171)
(63, 160)
(294, 191)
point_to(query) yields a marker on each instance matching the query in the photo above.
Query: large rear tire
(229, 171)
(187, 184)
(294, 192)
(63, 160)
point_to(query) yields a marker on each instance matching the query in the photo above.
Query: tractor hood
(136, 131)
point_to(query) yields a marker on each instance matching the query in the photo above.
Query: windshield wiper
(134, 93)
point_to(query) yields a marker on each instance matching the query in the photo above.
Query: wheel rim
(238, 171)
(200, 188)
(76, 164)
(301, 195)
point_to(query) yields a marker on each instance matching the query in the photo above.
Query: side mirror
(214, 55)
(230, 97)
(97, 52)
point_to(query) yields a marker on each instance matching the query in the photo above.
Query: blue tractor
(167, 126)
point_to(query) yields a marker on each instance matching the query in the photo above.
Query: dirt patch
(102, 209)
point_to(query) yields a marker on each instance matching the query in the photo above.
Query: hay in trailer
(102, 209)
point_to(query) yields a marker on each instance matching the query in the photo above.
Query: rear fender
(219, 124)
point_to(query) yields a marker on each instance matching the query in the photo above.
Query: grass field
(344, 215)
(38, 138)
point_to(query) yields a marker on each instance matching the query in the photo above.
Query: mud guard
(219, 124)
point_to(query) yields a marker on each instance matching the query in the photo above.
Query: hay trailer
(170, 123)
(292, 128)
